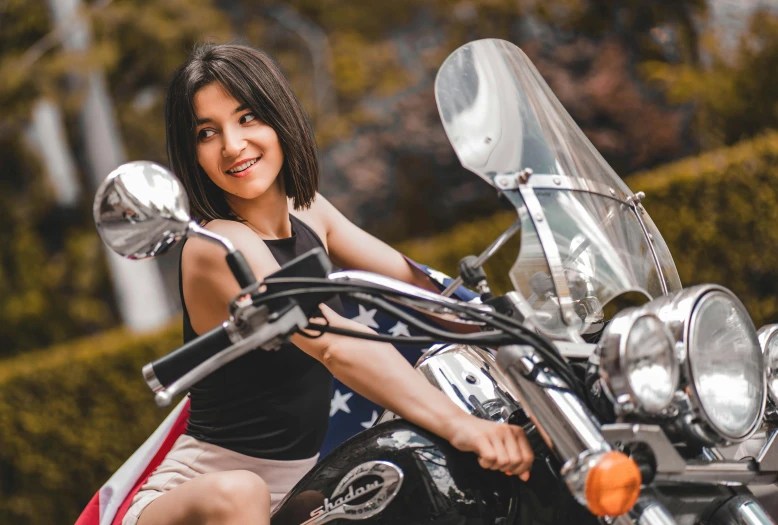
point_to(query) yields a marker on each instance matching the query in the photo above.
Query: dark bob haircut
(254, 80)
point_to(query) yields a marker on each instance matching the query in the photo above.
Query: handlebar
(249, 327)
(269, 335)
(240, 269)
(172, 366)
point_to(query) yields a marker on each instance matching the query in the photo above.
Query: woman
(240, 142)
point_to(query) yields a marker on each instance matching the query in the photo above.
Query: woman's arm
(352, 247)
(380, 373)
(374, 370)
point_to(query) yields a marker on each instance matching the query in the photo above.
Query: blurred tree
(662, 30)
(53, 281)
(733, 92)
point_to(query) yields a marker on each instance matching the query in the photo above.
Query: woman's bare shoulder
(316, 217)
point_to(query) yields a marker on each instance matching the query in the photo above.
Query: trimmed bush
(70, 415)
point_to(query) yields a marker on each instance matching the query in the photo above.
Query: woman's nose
(233, 143)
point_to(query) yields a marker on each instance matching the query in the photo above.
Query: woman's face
(237, 151)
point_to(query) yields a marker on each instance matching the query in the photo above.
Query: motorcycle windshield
(603, 253)
(503, 120)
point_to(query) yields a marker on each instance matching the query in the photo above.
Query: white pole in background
(46, 137)
(138, 286)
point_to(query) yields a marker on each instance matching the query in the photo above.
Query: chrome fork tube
(743, 509)
(566, 424)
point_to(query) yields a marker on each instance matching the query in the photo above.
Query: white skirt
(190, 457)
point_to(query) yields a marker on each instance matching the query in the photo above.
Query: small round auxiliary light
(638, 362)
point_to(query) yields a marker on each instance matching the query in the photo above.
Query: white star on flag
(438, 276)
(368, 424)
(400, 329)
(366, 317)
(340, 402)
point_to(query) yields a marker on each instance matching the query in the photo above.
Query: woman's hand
(380, 373)
(499, 446)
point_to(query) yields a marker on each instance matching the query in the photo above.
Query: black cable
(546, 348)
(421, 325)
(535, 339)
(492, 318)
(321, 332)
(394, 339)
(393, 310)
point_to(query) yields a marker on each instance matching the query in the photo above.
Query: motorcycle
(627, 413)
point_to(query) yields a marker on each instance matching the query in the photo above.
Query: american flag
(350, 413)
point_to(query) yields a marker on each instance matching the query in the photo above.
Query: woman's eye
(205, 134)
(248, 117)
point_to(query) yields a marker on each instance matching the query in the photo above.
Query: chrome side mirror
(141, 211)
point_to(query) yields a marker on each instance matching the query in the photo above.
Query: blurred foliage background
(650, 83)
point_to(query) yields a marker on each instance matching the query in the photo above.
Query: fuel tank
(396, 473)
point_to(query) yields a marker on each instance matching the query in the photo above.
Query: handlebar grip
(172, 366)
(240, 269)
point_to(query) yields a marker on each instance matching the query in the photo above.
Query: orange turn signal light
(612, 485)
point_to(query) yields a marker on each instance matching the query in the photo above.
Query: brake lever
(268, 336)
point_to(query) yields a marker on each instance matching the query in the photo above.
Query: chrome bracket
(634, 202)
(198, 231)
(667, 457)
(547, 241)
(768, 456)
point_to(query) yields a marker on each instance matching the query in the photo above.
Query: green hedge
(70, 415)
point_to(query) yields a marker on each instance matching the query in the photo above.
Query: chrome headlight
(768, 338)
(638, 363)
(724, 368)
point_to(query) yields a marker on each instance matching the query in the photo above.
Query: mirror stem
(235, 260)
(487, 253)
(201, 232)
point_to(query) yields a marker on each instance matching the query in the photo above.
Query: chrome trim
(391, 479)
(728, 473)
(233, 332)
(576, 470)
(553, 259)
(671, 467)
(768, 456)
(635, 203)
(648, 511)
(198, 231)
(668, 460)
(429, 299)
(470, 377)
(765, 334)
(498, 243)
(575, 350)
(743, 509)
(712, 454)
(612, 349)
(561, 182)
(565, 423)
(151, 378)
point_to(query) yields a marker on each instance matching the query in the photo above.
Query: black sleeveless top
(265, 404)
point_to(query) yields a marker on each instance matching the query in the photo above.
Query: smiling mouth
(243, 167)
